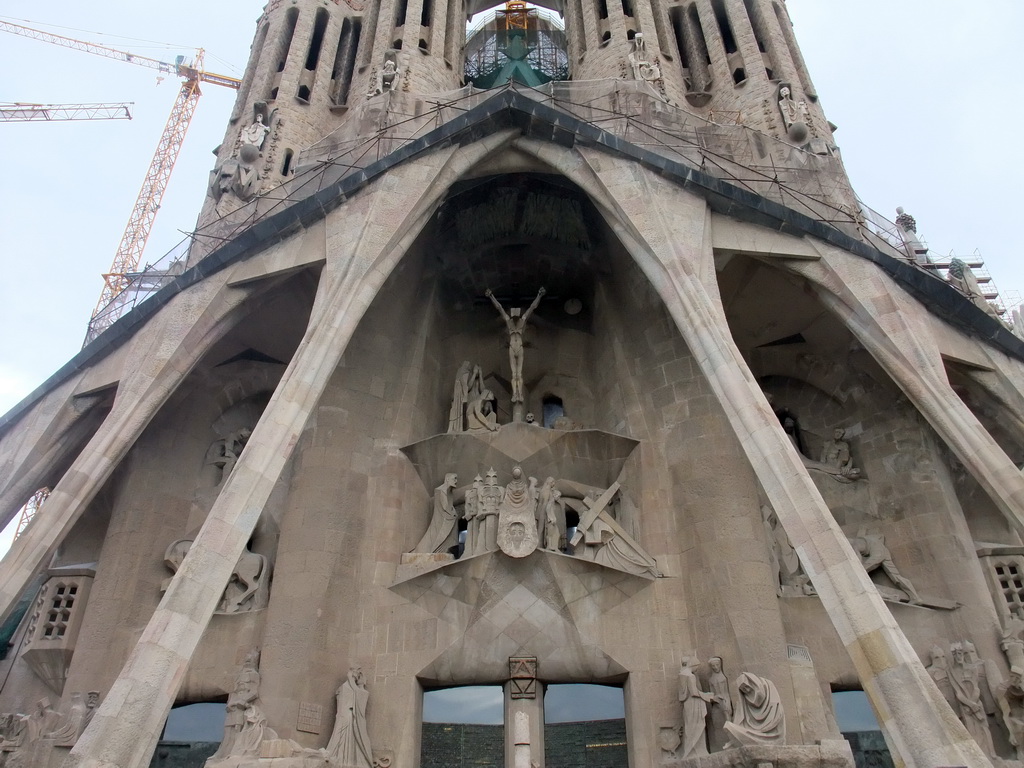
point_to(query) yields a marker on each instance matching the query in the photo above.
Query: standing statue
(875, 556)
(489, 497)
(469, 384)
(443, 533)
(759, 719)
(247, 691)
(796, 128)
(515, 322)
(721, 704)
(349, 746)
(695, 710)
(471, 511)
(939, 672)
(966, 680)
(551, 511)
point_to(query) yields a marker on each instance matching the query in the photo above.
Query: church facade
(581, 366)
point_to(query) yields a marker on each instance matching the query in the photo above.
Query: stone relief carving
(20, 734)
(515, 323)
(966, 677)
(349, 746)
(480, 413)
(248, 588)
(669, 742)
(388, 76)
(643, 66)
(875, 557)
(792, 116)
(442, 533)
(517, 516)
(223, 454)
(256, 132)
(758, 718)
(789, 572)
(836, 458)
(939, 672)
(695, 709)
(721, 704)
(1010, 695)
(244, 697)
(468, 387)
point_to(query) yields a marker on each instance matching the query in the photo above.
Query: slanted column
(171, 345)
(663, 233)
(872, 311)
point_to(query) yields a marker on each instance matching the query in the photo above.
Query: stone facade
(520, 389)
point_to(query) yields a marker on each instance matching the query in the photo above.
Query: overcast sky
(926, 94)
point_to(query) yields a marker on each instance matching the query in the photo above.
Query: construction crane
(53, 113)
(133, 242)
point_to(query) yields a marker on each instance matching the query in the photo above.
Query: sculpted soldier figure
(515, 321)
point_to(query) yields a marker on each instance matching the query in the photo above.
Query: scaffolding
(544, 37)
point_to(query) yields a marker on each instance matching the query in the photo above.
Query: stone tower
(597, 375)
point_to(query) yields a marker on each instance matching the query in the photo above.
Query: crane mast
(140, 223)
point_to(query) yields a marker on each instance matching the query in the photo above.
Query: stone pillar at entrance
(524, 715)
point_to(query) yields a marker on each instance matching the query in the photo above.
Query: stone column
(664, 229)
(524, 729)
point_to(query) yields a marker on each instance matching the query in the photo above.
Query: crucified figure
(515, 321)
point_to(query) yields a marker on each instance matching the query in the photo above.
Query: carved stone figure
(254, 731)
(552, 513)
(468, 385)
(796, 128)
(695, 710)
(480, 414)
(388, 76)
(245, 184)
(349, 746)
(442, 533)
(247, 589)
(224, 454)
(256, 133)
(517, 519)
(721, 704)
(244, 696)
(875, 556)
(515, 322)
(939, 672)
(488, 505)
(669, 742)
(758, 719)
(1012, 642)
(784, 559)
(965, 677)
(1011, 703)
(75, 721)
(42, 721)
(604, 540)
(835, 455)
(644, 68)
(471, 511)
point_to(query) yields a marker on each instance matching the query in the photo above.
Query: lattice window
(59, 615)
(1009, 575)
